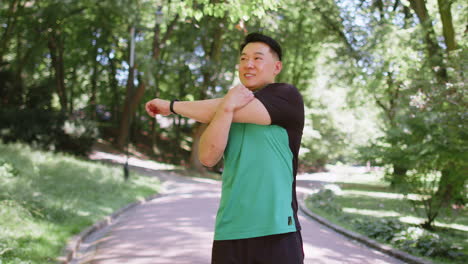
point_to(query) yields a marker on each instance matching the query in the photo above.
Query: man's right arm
(202, 111)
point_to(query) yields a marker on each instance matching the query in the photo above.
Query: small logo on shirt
(289, 220)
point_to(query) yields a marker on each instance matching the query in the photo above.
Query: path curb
(363, 239)
(73, 244)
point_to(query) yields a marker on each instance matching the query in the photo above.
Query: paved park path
(177, 228)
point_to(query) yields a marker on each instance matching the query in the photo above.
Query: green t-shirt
(257, 184)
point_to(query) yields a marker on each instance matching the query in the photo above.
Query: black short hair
(258, 37)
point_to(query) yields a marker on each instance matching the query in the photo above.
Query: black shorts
(275, 249)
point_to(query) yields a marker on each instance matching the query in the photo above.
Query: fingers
(238, 97)
(148, 110)
(242, 89)
(151, 109)
(247, 93)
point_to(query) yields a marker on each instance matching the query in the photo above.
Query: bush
(419, 241)
(383, 229)
(7, 170)
(48, 130)
(325, 200)
(412, 239)
(47, 198)
(429, 137)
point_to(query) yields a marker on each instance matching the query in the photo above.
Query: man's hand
(237, 97)
(158, 106)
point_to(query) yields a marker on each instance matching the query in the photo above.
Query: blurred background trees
(383, 80)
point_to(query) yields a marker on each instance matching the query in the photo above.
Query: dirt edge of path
(73, 245)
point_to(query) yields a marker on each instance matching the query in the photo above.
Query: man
(257, 127)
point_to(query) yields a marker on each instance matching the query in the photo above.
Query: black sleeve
(284, 104)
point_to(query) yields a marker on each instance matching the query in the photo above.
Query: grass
(373, 202)
(47, 198)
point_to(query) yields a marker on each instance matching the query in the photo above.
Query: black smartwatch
(171, 106)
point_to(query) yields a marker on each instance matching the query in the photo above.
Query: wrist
(171, 106)
(227, 107)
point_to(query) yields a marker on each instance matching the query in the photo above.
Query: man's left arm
(253, 113)
(214, 139)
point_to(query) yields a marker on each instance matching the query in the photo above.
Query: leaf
(198, 14)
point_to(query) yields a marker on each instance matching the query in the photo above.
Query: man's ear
(278, 67)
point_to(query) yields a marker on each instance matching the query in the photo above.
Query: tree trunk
(447, 25)
(12, 18)
(296, 71)
(158, 44)
(125, 116)
(132, 100)
(154, 123)
(74, 77)
(21, 59)
(399, 174)
(56, 49)
(451, 187)
(114, 88)
(94, 77)
(434, 51)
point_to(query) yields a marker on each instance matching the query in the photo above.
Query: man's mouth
(247, 75)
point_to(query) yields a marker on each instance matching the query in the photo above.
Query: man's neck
(260, 87)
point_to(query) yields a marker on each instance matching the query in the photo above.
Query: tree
(408, 76)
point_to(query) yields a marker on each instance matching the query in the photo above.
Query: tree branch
(354, 54)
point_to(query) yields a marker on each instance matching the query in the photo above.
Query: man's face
(258, 66)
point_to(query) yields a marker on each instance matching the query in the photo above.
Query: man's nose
(249, 64)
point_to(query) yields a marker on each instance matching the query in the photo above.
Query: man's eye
(258, 58)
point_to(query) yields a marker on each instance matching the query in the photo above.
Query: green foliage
(46, 198)
(375, 52)
(303, 37)
(382, 229)
(419, 241)
(412, 239)
(234, 10)
(322, 141)
(429, 140)
(184, 49)
(324, 200)
(419, 88)
(361, 210)
(48, 130)
(7, 170)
